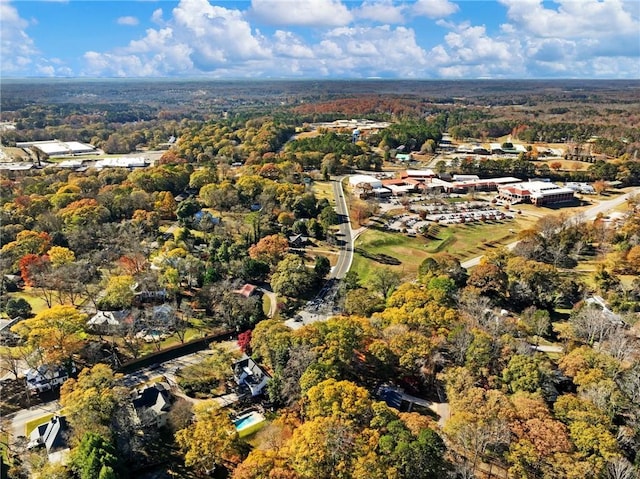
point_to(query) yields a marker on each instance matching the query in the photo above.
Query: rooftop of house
(50, 434)
(112, 318)
(250, 368)
(156, 397)
(247, 290)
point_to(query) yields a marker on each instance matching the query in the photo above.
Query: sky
(318, 39)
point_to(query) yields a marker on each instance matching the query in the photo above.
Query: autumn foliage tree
(58, 332)
(84, 212)
(91, 400)
(59, 255)
(244, 342)
(211, 440)
(27, 242)
(270, 249)
(30, 266)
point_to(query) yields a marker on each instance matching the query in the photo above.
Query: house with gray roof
(51, 435)
(152, 404)
(247, 373)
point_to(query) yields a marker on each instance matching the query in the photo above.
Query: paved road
(346, 252)
(588, 215)
(548, 349)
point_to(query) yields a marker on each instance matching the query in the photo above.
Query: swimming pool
(249, 423)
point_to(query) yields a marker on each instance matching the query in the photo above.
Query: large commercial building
(368, 185)
(536, 192)
(58, 148)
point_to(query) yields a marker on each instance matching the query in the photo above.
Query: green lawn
(192, 333)
(463, 241)
(409, 251)
(37, 303)
(31, 425)
(323, 189)
(266, 304)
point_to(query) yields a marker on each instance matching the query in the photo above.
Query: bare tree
(183, 320)
(619, 344)
(620, 468)
(459, 342)
(578, 247)
(11, 361)
(385, 281)
(479, 308)
(476, 438)
(629, 383)
(180, 415)
(591, 325)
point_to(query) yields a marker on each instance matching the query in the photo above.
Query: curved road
(588, 215)
(346, 251)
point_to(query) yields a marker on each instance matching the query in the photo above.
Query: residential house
(247, 290)
(12, 282)
(8, 337)
(110, 322)
(404, 157)
(46, 377)
(298, 241)
(53, 436)
(152, 404)
(248, 374)
(163, 315)
(152, 296)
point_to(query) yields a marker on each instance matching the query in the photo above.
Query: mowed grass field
(324, 189)
(463, 241)
(37, 303)
(409, 251)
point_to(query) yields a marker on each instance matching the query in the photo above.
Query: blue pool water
(247, 421)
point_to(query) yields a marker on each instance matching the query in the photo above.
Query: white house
(247, 373)
(51, 435)
(45, 378)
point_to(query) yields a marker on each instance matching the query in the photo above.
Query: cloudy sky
(321, 38)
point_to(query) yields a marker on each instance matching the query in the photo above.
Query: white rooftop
(122, 162)
(421, 173)
(57, 147)
(372, 180)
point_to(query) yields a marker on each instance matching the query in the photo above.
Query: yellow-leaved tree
(211, 440)
(91, 401)
(58, 332)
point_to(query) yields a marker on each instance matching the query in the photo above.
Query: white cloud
(197, 38)
(309, 13)
(373, 51)
(382, 11)
(469, 52)
(289, 45)
(435, 8)
(156, 17)
(577, 38)
(17, 48)
(575, 19)
(216, 33)
(127, 21)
